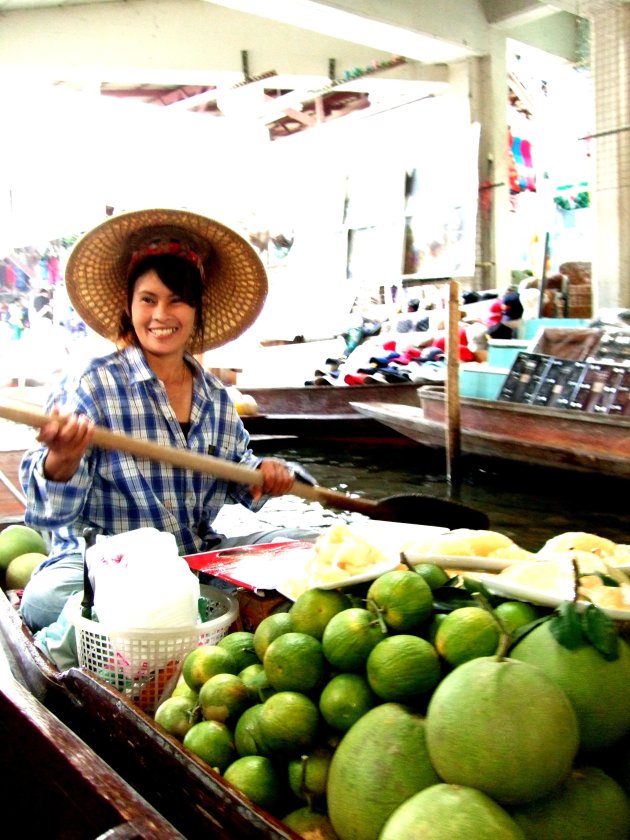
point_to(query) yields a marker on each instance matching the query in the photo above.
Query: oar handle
(218, 467)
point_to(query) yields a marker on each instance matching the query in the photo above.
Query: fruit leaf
(447, 598)
(599, 629)
(566, 627)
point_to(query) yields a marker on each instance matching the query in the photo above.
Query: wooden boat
(567, 439)
(57, 786)
(325, 413)
(182, 788)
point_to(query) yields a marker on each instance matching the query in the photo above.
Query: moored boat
(325, 413)
(567, 439)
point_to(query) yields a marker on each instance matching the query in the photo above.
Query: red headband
(158, 246)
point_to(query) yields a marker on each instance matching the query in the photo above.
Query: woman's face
(162, 320)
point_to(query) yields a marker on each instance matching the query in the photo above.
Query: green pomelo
(19, 539)
(310, 825)
(380, 762)
(314, 608)
(503, 727)
(451, 812)
(21, 568)
(596, 687)
(588, 805)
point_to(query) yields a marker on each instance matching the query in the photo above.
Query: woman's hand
(277, 479)
(67, 441)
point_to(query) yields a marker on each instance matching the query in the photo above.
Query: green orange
(176, 715)
(270, 628)
(465, 634)
(345, 699)
(204, 662)
(289, 722)
(224, 697)
(212, 742)
(403, 668)
(403, 598)
(240, 644)
(257, 778)
(294, 662)
(314, 608)
(349, 637)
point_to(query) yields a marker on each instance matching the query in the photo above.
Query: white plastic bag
(140, 581)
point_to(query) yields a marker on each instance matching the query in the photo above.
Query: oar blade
(418, 509)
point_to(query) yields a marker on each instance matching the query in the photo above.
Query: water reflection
(529, 504)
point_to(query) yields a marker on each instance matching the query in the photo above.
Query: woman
(164, 285)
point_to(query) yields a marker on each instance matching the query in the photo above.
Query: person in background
(165, 286)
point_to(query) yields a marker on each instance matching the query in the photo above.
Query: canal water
(528, 504)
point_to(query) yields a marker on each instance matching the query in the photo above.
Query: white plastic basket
(140, 662)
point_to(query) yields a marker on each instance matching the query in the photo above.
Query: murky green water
(528, 504)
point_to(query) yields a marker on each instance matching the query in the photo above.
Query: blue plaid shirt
(114, 491)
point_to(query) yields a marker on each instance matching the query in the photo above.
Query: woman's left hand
(277, 479)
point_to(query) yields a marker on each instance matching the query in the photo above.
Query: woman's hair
(179, 275)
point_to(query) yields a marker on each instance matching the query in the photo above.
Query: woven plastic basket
(140, 663)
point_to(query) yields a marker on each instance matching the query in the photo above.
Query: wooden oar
(417, 509)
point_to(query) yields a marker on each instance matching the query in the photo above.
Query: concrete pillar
(489, 108)
(610, 54)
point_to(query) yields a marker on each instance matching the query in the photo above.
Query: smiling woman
(164, 285)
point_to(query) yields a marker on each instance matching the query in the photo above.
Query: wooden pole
(453, 420)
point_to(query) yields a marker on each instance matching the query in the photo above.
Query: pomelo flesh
(380, 762)
(450, 812)
(503, 727)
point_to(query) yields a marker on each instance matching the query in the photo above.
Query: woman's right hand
(67, 440)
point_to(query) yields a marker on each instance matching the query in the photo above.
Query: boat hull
(184, 790)
(509, 431)
(325, 413)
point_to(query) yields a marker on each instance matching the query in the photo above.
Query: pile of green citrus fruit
(411, 708)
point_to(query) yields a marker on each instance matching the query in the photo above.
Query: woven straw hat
(235, 279)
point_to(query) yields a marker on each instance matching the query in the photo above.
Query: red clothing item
(465, 355)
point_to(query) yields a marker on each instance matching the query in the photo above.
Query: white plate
(293, 586)
(451, 561)
(510, 589)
